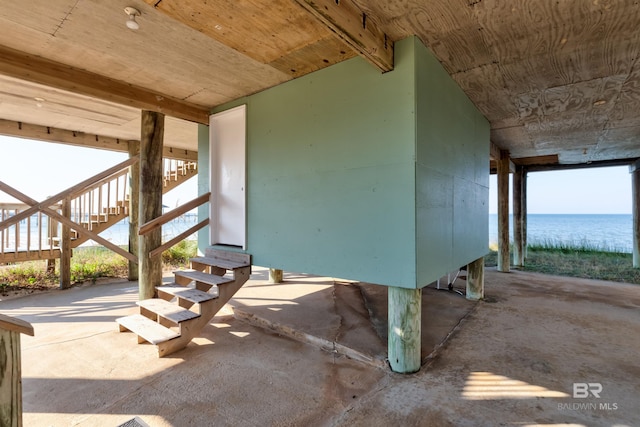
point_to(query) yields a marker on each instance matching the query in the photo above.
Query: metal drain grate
(134, 422)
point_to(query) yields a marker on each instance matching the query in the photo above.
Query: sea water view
(606, 231)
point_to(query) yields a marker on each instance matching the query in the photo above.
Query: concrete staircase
(183, 308)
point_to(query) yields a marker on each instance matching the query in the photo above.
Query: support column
(518, 238)
(635, 189)
(524, 213)
(275, 275)
(65, 247)
(475, 280)
(150, 205)
(134, 203)
(405, 311)
(503, 212)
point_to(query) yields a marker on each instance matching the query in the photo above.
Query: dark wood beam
(345, 19)
(39, 70)
(82, 139)
(494, 151)
(598, 164)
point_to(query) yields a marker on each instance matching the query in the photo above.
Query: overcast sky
(43, 169)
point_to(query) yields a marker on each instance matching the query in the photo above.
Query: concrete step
(146, 329)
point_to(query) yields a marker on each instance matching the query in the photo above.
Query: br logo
(584, 390)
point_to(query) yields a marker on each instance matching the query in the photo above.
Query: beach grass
(87, 264)
(579, 259)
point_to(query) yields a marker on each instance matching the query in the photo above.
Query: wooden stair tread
(217, 262)
(146, 328)
(189, 294)
(169, 311)
(199, 276)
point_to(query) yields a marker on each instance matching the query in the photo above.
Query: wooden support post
(65, 247)
(524, 214)
(405, 311)
(503, 212)
(134, 201)
(518, 239)
(635, 189)
(475, 280)
(275, 275)
(150, 206)
(11, 370)
(52, 233)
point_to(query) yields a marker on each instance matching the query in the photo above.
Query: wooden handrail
(16, 325)
(178, 238)
(36, 206)
(99, 183)
(164, 218)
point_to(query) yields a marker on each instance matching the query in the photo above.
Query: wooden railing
(89, 194)
(171, 215)
(90, 207)
(174, 168)
(34, 233)
(100, 201)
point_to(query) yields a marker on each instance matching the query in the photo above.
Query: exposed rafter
(43, 71)
(355, 27)
(82, 139)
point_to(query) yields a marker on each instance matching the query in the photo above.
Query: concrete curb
(323, 344)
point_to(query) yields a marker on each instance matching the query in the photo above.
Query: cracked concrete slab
(512, 361)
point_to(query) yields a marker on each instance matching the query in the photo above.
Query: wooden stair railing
(185, 307)
(96, 204)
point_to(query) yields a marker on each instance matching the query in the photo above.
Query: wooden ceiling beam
(49, 73)
(82, 139)
(345, 19)
(494, 151)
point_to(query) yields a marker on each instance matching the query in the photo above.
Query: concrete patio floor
(311, 351)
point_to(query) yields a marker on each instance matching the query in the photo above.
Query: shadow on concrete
(343, 316)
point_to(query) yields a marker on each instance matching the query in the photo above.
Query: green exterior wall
(452, 173)
(344, 179)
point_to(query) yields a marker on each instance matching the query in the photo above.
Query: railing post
(52, 233)
(65, 247)
(10, 370)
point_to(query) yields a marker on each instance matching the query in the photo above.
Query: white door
(227, 133)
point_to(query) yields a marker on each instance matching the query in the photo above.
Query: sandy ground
(511, 360)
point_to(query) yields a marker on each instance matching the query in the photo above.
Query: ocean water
(612, 232)
(117, 234)
(607, 231)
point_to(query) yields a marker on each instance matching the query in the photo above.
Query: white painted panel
(227, 133)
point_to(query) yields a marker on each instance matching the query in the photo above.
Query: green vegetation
(87, 264)
(179, 254)
(577, 260)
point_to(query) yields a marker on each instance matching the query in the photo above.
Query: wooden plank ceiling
(556, 79)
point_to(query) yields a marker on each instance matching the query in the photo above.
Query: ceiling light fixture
(131, 22)
(39, 101)
(599, 102)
